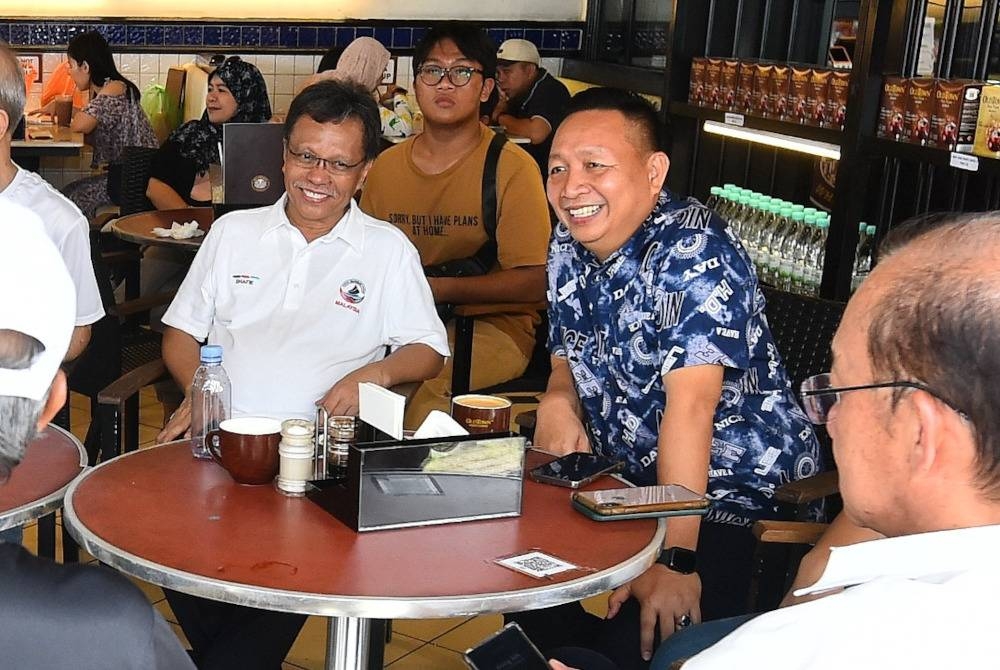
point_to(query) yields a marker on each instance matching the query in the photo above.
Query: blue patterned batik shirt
(681, 292)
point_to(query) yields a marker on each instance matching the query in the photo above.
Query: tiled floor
(431, 644)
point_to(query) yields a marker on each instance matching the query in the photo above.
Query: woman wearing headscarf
(179, 171)
(112, 120)
(363, 61)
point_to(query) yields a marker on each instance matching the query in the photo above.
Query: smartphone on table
(639, 502)
(507, 649)
(574, 470)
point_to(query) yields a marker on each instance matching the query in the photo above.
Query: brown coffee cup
(247, 447)
(63, 108)
(481, 413)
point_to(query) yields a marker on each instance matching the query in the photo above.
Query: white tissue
(439, 424)
(180, 231)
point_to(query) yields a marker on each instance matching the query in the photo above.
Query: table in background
(37, 485)
(138, 228)
(28, 152)
(189, 527)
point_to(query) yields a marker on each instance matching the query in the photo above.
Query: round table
(37, 485)
(138, 228)
(189, 527)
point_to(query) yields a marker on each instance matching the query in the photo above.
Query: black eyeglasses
(307, 160)
(818, 397)
(459, 75)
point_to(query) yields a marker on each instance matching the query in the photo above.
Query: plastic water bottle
(211, 398)
(714, 198)
(817, 254)
(789, 252)
(863, 256)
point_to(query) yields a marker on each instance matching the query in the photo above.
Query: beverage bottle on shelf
(211, 399)
(800, 272)
(863, 255)
(789, 252)
(772, 247)
(725, 205)
(748, 235)
(817, 253)
(765, 223)
(714, 198)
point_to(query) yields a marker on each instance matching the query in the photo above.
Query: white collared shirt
(68, 229)
(294, 318)
(917, 601)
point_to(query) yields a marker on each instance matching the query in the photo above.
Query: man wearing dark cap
(532, 101)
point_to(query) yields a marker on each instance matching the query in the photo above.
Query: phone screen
(510, 649)
(575, 467)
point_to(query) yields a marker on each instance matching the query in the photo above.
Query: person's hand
(664, 597)
(558, 430)
(342, 398)
(47, 109)
(178, 424)
(556, 665)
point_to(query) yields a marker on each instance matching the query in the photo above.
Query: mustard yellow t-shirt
(442, 214)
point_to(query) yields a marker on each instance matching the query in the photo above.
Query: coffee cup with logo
(481, 413)
(247, 447)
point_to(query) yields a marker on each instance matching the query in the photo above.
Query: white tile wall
(283, 74)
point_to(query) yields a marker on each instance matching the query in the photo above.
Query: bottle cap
(211, 353)
(862, 227)
(715, 190)
(870, 230)
(797, 216)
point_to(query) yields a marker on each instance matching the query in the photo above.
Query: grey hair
(936, 323)
(12, 93)
(18, 416)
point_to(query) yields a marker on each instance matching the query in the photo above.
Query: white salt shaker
(295, 454)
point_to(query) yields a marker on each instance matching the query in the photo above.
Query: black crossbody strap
(487, 254)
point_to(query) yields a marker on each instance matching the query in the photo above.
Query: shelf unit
(880, 181)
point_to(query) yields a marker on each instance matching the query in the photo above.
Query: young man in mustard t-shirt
(431, 188)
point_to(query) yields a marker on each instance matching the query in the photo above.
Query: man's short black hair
(638, 111)
(470, 39)
(336, 101)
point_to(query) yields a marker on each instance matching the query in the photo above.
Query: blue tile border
(552, 38)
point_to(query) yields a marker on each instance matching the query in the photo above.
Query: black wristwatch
(679, 560)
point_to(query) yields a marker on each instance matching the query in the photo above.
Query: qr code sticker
(536, 564)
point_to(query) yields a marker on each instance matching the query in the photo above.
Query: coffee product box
(892, 113)
(836, 98)
(818, 92)
(728, 82)
(780, 81)
(745, 87)
(762, 89)
(956, 107)
(713, 82)
(987, 141)
(919, 110)
(799, 80)
(696, 87)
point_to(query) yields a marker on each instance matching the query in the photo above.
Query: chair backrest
(135, 178)
(803, 329)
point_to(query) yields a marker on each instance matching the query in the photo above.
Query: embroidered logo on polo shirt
(352, 293)
(245, 280)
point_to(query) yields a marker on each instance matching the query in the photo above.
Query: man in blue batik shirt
(662, 359)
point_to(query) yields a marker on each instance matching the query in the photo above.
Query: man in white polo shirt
(64, 224)
(304, 297)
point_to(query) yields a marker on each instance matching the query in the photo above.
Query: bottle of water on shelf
(863, 256)
(817, 254)
(211, 399)
(715, 195)
(789, 251)
(800, 260)
(771, 262)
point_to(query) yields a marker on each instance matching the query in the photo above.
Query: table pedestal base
(347, 640)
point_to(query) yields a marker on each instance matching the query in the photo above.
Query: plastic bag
(163, 116)
(60, 83)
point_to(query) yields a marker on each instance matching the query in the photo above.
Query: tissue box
(396, 484)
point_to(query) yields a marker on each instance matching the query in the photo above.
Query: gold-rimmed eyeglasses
(309, 161)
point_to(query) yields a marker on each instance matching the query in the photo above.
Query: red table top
(159, 511)
(50, 462)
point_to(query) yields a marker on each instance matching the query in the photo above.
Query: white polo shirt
(68, 229)
(914, 602)
(294, 318)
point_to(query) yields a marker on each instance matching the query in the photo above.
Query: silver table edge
(372, 607)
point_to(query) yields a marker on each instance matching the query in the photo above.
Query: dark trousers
(232, 637)
(725, 565)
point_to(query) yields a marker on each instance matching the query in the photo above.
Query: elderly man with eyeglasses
(305, 297)
(437, 187)
(911, 406)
